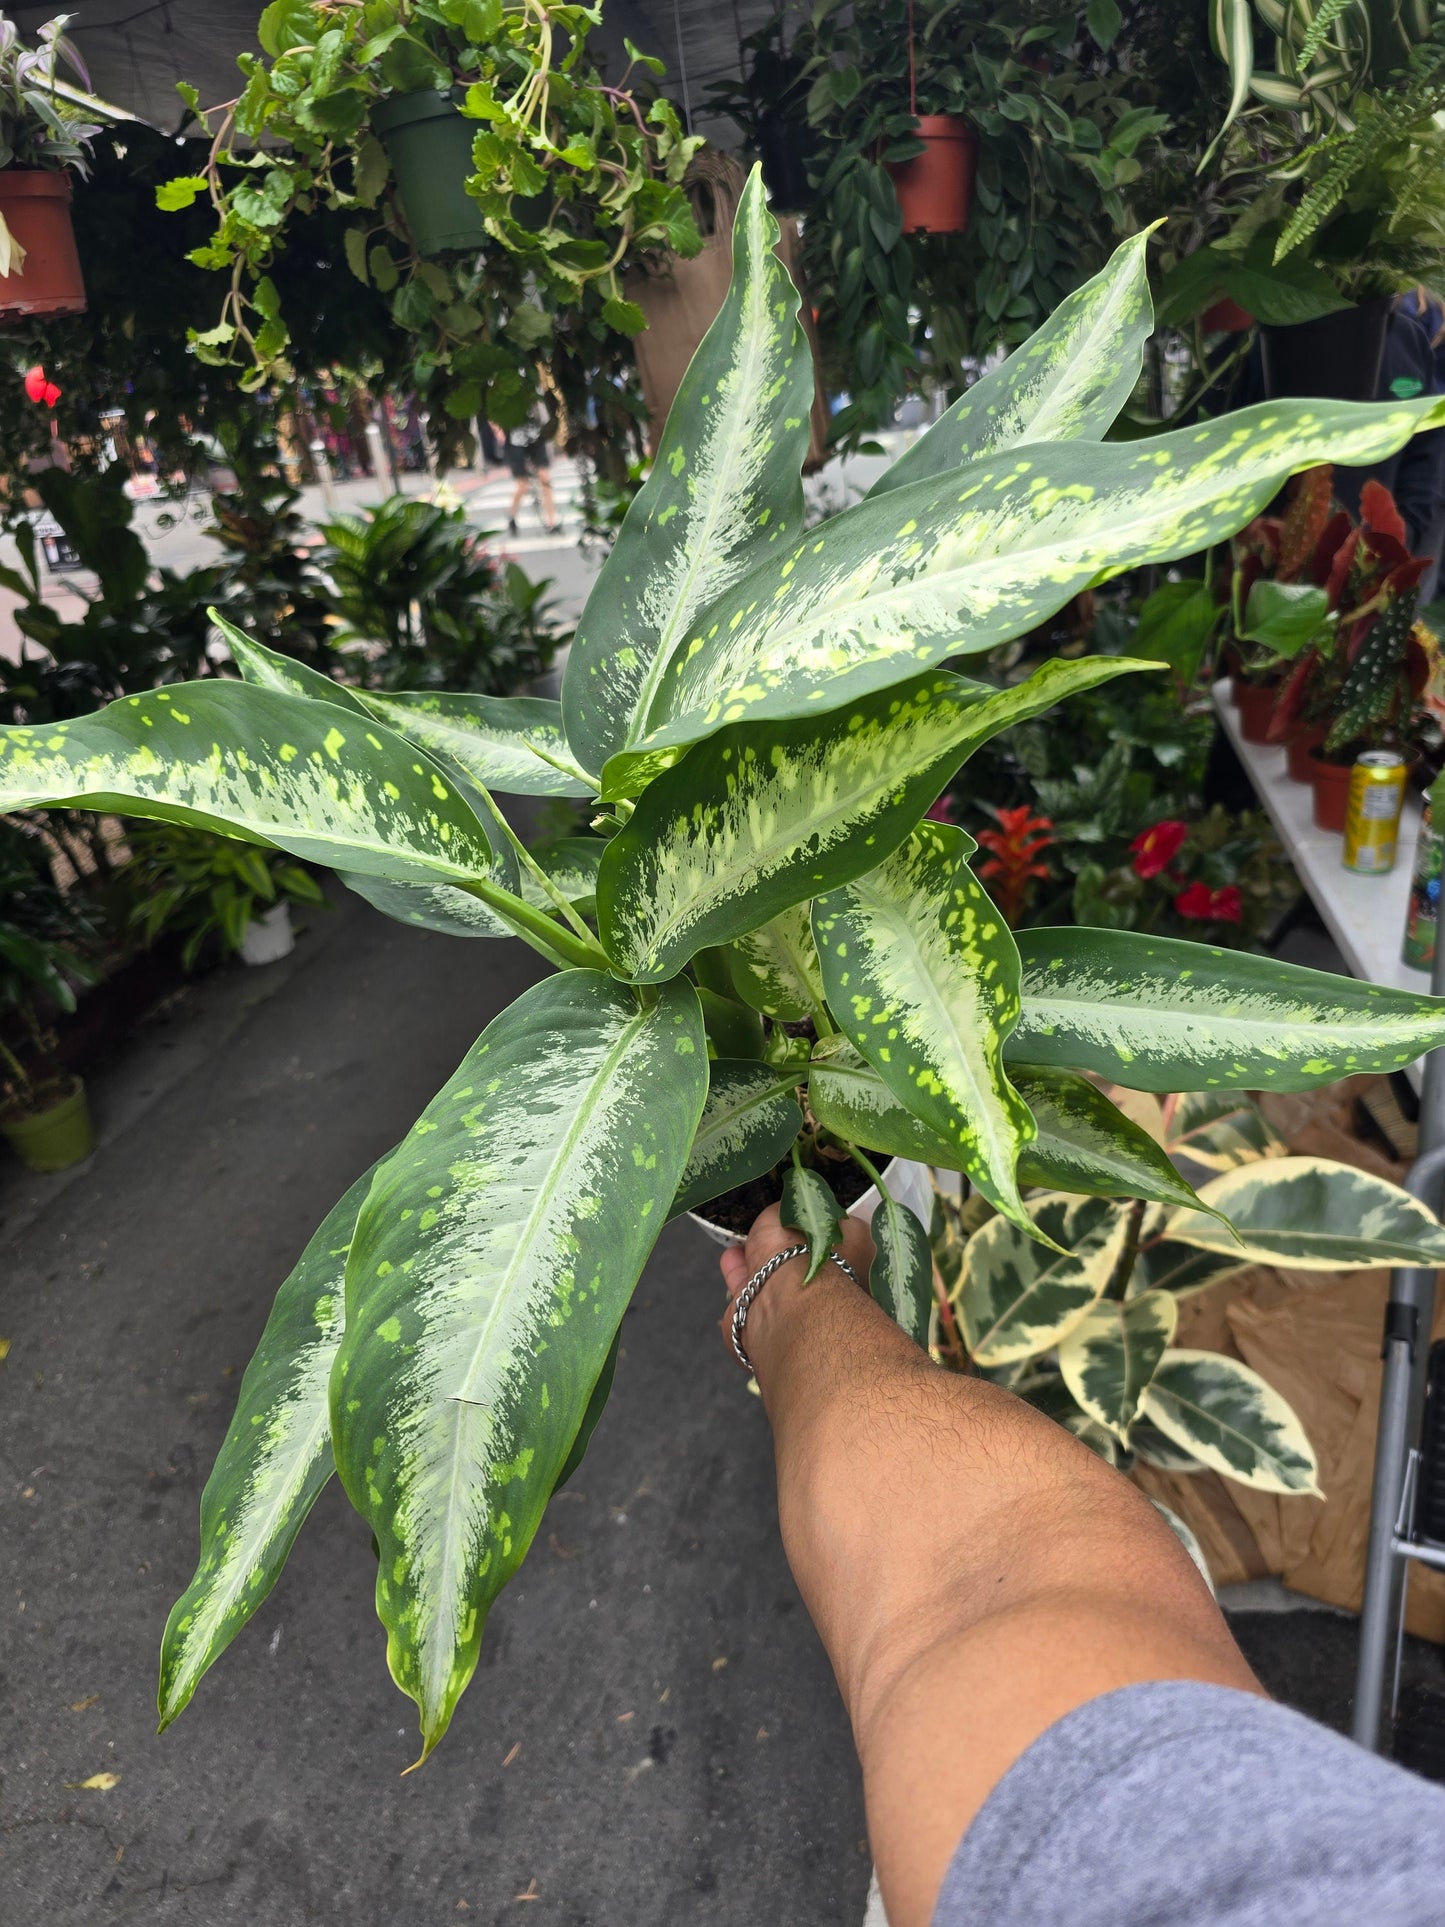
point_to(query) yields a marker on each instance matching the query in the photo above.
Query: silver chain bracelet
(760, 1277)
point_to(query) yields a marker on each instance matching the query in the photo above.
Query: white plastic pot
(905, 1182)
(270, 938)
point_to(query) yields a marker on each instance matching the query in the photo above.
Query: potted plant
(45, 938)
(213, 891)
(768, 103)
(758, 715)
(498, 185)
(1280, 601)
(46, 127)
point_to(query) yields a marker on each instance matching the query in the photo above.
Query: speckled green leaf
(515, 744)
(269, 669)
(775, 968)
(1229, 1419)
(901, 1277)
(849, 1097)
(1157, 1014)
(1313, 1215)
(1066, 383)
(572, 863)
(491, 1266)
(750, 1119)
(959, 563)
(273, 1461)
(767, 815)
(1218, 1130)
(922, 975)
(1110, 1355)
(810, 1208)
(734, 1029)
(724, 490)
(1017, 1297)
(1085, 1143)
(326, 785)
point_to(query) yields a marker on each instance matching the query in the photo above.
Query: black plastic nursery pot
(1335, 357)
(428, 141)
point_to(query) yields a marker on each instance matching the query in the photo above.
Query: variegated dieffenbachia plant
(765, 957)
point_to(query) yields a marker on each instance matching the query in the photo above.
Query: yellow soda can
(1372, 823)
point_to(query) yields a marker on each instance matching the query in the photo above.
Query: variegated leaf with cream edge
(273, 1461)
(1217, 1129)
(491, 1265)
(1187, 1538)
(901, 1276)
(1151, 1445)
(1110, 1355)
(765, 816)
(1066, 383)
(515, 744)
(775, 967)
(326, 785)
(1159, 1014)
(748, 1122)
(922, 976)
(1017, 1297)
(1311, 1214)
(1225, 1416)
(1086, 1144)
(725, 488)
(1181, 1269)
(809, 1207)
(956, 564)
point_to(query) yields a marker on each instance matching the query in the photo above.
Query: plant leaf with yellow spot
(1158, 1014)
(269, 669)
(775, 967)
(1218, 1130)
(1018, 1297)
(515, 744)
(922, 975)
(491, 1266)
(1313, 1215)
(901, 1276)
(748, 1122)
(1067, 382)
(273, 1461)
(724, 491)
(1086, 1144)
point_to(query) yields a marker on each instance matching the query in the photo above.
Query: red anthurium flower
(35, 383)
(51, 394)
(1155, 849)
(1204, 905)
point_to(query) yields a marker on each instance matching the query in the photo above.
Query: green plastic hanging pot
(54, 1138)
(428, 141)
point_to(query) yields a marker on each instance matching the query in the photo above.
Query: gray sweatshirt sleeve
(1182, 1805)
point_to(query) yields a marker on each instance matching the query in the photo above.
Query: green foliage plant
(45, 120)
(759, 718)
(571, 175)
(205, 888)
(48, 948)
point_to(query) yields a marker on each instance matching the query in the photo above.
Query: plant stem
(1124, 1270)
(535, 927)
(529, 862)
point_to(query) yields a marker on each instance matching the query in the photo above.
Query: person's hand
(784, 1301)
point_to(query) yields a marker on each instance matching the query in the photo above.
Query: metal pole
(1406, 1348)
(323, 472)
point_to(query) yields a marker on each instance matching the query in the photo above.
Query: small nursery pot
(270, 938)
(906, 1183)
(1299, 754)
(1255, 702)
(54, 1138)
(1332, 791)
(428, 141)
(35, 202)
(935, 188)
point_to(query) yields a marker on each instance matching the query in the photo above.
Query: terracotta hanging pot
(935, 189)
(35, 202)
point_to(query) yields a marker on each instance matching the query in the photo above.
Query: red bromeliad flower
(1155, 849)
(40, 388)
(1015, 846)
(1204, 905)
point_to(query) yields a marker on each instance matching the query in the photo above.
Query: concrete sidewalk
(653, 1736)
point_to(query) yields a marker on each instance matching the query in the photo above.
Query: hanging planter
(935, 188)
(35, 204)
(1335, 357)
(428, 141)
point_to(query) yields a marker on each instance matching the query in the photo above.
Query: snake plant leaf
(775, 967)
(848, 1097)
(724, 489)
(515, 744)
(1085, 1143)
(810, 1208)
(1066, 383)
(922, 975)
(901, 1276)
(269, 669)
(1110, 1355)
(274, 1460)
(1018, 1297)
(1227, 1417)
(959, 563)
(748, 1122)
(1185, 1534)
(766, 815)
(254, 763)
(1217, 1129)
(571, 862)
(1313, 1215)
(1159, 1014)
(490, 1269)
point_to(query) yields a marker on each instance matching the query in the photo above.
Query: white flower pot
(906, 1183)
(270, 938)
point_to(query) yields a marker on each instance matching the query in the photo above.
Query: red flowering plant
(1279, 601)
(1220, 877)
(1014, 862)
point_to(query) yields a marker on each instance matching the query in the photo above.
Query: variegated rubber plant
(762, 717)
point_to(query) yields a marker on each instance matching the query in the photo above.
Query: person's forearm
(973, 1570)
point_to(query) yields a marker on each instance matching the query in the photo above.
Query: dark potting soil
(735, 1210)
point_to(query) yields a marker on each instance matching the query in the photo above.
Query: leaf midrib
(1151, 1017)
(1164, 1393)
